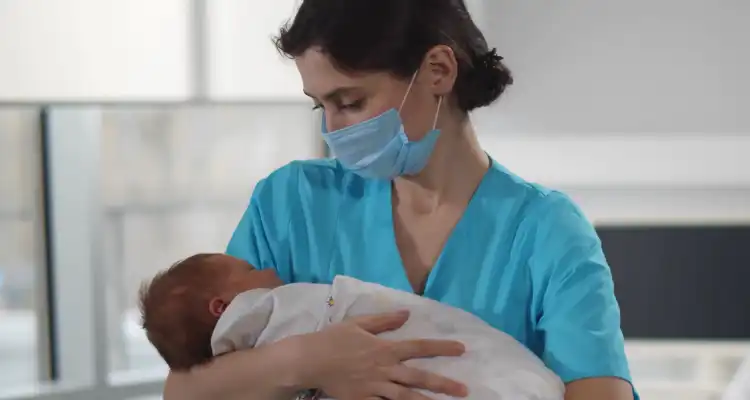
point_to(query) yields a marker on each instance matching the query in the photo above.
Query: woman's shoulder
(540, 212)
(550, 231)
(308, 181)
(315, 173)
(533, 200)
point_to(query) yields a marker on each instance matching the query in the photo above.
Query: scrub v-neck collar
(462, 229)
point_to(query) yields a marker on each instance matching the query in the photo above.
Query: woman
(419, 208)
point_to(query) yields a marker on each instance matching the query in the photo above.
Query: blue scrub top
(522, 258)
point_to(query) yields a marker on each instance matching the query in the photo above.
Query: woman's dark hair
(394, 36)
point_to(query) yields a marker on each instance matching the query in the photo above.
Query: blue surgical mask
(378, 148)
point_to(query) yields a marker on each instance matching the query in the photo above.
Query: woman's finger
(394, 391)
(380, 323)
(427, 348)
(431, 382)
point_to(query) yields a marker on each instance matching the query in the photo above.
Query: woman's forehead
(321, 77)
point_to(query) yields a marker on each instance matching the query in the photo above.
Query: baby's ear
(217, 306)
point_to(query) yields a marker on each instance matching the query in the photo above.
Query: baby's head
(181, 305)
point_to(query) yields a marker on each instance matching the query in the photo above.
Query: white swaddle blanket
(495, 366)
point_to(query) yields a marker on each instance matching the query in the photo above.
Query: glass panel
(242, 61)
(101, 50)
(18, 181)
(176, 182)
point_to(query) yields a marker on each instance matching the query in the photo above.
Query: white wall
(588, 66)
(243, 63)
(639, 108)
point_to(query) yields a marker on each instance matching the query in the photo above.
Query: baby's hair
(174, 311)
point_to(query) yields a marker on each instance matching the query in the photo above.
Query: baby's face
(244, 276)
(240, 277)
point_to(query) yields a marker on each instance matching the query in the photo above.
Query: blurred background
(133, 132)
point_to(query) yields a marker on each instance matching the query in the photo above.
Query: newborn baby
(211, 304)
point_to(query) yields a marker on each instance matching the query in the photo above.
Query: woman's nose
(330, 122)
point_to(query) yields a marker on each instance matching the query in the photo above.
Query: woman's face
(348, 98)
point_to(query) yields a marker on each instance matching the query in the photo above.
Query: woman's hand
(348, 362)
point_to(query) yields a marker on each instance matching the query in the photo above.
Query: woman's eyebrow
(335, 94)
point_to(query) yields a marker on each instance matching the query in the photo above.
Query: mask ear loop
(437, 112)
(408, 90)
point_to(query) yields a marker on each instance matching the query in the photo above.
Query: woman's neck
(455, 169)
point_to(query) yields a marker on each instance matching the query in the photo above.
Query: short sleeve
(261, 236)
(249, 241)
(579, 317)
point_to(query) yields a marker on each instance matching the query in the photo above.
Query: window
(18, 223)
(135, 49)
(175, 182)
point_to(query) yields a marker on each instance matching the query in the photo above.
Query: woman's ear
(217, 306)
(441, 69)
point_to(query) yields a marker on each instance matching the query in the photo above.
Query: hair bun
(488, 60)
(488, 78)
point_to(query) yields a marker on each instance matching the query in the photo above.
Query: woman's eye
(355, 105)
(317, 106)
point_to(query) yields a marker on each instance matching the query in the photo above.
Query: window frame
(75, 341)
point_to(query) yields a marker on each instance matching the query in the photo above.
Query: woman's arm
(599, 388)
(346, 360)
(579, 316)
(264, 373)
